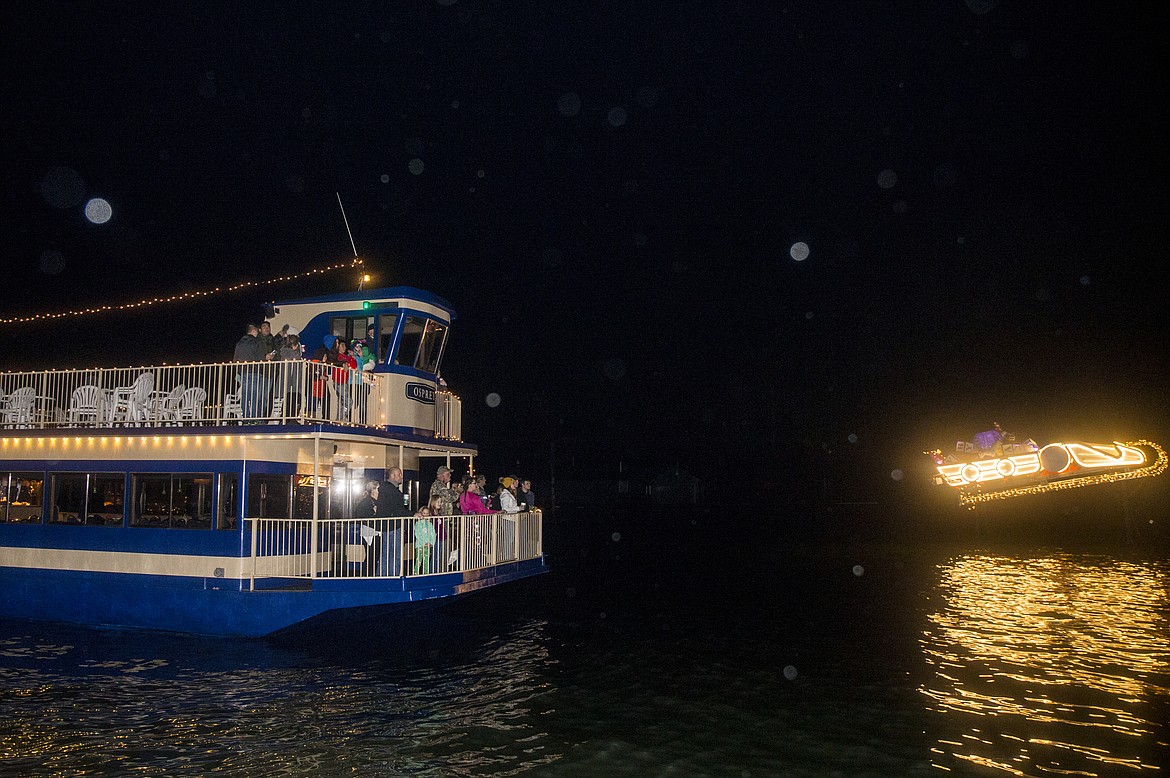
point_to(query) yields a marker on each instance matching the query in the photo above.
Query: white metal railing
(448, 416)
(391, 548)
(181, 395)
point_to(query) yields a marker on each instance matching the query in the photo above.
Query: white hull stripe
(126, 562)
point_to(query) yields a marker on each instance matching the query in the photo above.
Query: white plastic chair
(232, 407)
(132, 403)
(165, 405)
(18, 407)
(191, 405)
(277, 414)
(85, 404)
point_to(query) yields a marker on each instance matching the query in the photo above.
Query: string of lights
(146, 302)
(971, 499)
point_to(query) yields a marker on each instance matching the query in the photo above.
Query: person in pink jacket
(471, 501)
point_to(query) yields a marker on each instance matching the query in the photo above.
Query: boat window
(268, 496)
(172, 500)
(412, 333)
(21, 497)
(88, 498)
(303, 497)
(432, 346)
(350, 328)
(229, 500)
(386, 326)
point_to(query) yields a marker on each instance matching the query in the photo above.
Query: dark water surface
(712, 654)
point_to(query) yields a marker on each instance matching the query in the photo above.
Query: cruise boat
(997, 466)
(219, 498)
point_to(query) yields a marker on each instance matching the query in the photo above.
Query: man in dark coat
(392, 505)
(393, 501)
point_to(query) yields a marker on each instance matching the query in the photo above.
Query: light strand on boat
(971, 499)
(349, 263)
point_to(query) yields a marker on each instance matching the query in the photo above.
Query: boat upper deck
(229, 394)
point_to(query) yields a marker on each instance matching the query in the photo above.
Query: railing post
(314, 527)
(255, 532)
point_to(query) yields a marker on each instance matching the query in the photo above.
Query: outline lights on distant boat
(1058, 465)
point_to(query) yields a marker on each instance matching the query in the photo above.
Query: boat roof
(382, 295)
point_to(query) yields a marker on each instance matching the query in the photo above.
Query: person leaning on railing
(254, 384)
(327, 355)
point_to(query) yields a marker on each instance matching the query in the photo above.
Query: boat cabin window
(421, 344)
(96, 499)
(412, 332)
(229, 501)
(21, 497)
(350, 328)
(269, 496)
(432, 347)
(303, 497)
(386, 324)
(172, 500)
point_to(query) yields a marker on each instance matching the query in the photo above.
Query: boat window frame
(225, 503)
(137, 478)
(431, 326)
(429, 321)
(53, 510)
(7, 478)
(251, 483)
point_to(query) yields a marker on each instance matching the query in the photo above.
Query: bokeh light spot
(896, 474)
(385, 179)
(614, 369)
(858, 570)
(492, 400)
(51, 262)
(416, 166)
(799, 251)
(98, 211)
(790, 672)
(887, 179)
(852, 437)
(63, 187)
(569, 104)
(616, 116)
(1084, 280)
(616, 537)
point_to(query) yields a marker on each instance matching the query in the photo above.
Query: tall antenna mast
(347, 230)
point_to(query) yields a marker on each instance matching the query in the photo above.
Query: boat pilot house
(228, 498)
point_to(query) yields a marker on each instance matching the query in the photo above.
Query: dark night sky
(982, 187)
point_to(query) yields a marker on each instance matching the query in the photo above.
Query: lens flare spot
(98, 211)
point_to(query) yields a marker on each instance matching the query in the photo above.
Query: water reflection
(454, 701)
(1054, 665)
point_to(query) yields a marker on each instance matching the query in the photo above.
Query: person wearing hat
(508, 510)
(442, 488)
(507, 495)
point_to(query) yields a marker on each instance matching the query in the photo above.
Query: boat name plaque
(420, 393)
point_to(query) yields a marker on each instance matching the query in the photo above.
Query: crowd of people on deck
(259, 344)
(446, 497)
(433, 529)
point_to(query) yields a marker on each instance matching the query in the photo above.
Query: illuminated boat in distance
(995, 466)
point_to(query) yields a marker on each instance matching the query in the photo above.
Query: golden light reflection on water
(1049, 665)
